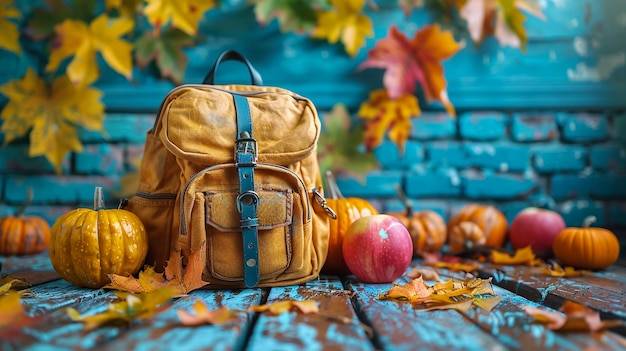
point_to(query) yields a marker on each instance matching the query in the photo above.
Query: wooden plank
(597, 292)
(37, 262)
(324, 331)
(398, 326)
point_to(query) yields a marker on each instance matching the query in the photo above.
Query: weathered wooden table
(351, 317)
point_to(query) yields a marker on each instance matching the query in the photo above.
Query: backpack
(233, 170)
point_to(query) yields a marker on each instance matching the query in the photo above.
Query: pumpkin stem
(333, 190)
(589, 221)
(29, 199)
(98, 199)
(408, 205)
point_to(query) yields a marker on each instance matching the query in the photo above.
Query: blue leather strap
(248, 199)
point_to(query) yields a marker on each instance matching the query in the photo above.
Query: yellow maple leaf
(393, 116)
(126, 8)
(75, 38)
(182, 14)
(345, 22)
(278, 307)
(202, 315)
(51, 114)
(9, 34)
(523, 256)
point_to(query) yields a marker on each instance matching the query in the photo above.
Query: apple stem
(589, 221)
(333, 189)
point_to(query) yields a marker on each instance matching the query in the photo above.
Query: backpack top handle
(231, 55)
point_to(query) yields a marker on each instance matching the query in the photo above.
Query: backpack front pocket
(283, 214)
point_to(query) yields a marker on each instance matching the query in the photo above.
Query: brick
(482, 125)
(14, 159)
(559, 158)
(616, 214)
(103, 159)
(583, 185)
(574, 212)
(608, 157)
(390, 157)
(50, 213)
(433, 182)
(129, 128)
(532, 127)
(379, 183)
(71, 189)
(619, 127)
(491, 185)
(432, 125)
(503, 156)
(583, 127)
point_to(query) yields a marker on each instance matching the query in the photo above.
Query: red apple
(536, 227)
(377, 248)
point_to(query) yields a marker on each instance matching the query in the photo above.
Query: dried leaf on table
(181, 282)
(12, 316)
(293, 16)
(416, 60)
(523, 256)
(8, 283)
(181, 14)
(9, 40)
(450, 294)
(339, 145)
(202, 315)
(53, 114)
(166, 51)
(555, 270)
(503, 19)
(132, 306)
(425, 273)
(573, 317)
(278, 307)
(76, 38)
(345, 22)
(383, 114)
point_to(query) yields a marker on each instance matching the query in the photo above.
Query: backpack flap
(199, 124)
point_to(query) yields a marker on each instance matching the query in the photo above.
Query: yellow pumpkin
(491, 221)
(23, 235)
(347, 210)
(586, 247)
(89, 244)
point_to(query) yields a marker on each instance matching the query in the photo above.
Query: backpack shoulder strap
(248, 199)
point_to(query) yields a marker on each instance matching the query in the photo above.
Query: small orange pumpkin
(586, 247)
(347, 210)
(427, 228)
(465, 236)
(24, 235)
(89, 244)
(488, 218)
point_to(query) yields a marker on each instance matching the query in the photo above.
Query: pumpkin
(586, 247)
(465, 236)
(347, 210)
(488, 218)
(427, 228)
(89, 244)
(23, 235)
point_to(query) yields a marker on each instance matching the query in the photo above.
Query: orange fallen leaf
(276, 308)
(523, 256)
(425, 273)
(12, 316)
(202, 315)
(573, 317)
(555, 270)
(182, 282)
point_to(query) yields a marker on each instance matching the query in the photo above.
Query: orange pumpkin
(465, 236)
(89, 244)
(23, 235)
(488, 218)
(347, 210)
(586, 247)
(427, 228)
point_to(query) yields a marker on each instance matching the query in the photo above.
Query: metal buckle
(245, 144)
(247, 198)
